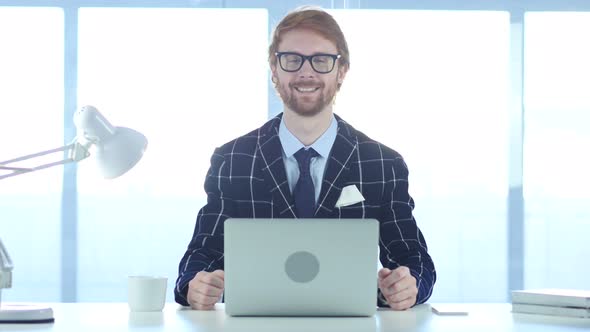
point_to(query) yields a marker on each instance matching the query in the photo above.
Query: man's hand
(398, 287)
(205, 289)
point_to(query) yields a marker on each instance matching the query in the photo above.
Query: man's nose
(306, 69)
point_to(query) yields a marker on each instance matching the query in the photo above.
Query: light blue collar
(322, 145)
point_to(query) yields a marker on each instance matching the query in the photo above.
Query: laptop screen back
(301, 267)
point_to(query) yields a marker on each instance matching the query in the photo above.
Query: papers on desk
(556, 302)
(550, 310)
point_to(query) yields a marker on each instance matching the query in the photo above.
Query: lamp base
(25, 314)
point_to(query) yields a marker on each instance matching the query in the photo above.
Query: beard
(297, 103)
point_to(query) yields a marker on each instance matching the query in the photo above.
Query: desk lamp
(115, 149)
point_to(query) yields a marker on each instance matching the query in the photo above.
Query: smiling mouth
(306, 89)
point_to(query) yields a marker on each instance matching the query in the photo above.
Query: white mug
(146, 293)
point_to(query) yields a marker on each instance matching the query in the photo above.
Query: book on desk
(556, 302)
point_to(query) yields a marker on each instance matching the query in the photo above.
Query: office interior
(488, 102)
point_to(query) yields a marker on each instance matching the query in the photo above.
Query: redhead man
(296, 165)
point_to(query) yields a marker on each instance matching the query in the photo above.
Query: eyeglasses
(321, 63)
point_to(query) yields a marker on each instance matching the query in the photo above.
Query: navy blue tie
(304, 192)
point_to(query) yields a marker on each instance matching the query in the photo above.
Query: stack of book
(557, 302)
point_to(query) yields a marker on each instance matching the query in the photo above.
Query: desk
(113, 317)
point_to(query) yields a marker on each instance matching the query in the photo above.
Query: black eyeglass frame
(308, 58)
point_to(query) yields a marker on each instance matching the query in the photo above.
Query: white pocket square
(350, 195)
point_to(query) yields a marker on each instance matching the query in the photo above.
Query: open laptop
(301, 267)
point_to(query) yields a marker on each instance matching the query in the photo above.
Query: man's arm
(401, 241)
(205, 250)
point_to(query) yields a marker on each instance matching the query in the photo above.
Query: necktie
(304, 192)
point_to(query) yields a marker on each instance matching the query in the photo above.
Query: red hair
(316, 20)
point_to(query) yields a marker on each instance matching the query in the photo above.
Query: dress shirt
(322, 146)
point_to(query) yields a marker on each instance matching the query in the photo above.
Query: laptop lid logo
(302, 266)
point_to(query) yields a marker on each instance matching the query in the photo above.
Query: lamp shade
(120, 152)
(118, 149)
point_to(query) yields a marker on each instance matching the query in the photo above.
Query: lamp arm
(76, 152)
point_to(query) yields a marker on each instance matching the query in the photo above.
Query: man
(296, 166)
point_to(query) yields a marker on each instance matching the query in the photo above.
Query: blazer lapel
(273, 169)
(337, 169)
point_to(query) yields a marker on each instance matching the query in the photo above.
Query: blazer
(247, 179)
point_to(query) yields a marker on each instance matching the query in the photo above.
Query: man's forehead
(306, 42)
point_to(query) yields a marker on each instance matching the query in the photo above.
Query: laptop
(301, 267)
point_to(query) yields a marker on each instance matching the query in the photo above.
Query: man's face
(305, 91)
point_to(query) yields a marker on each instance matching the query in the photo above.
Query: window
(31, 113)
(190, 81)
(556, 181)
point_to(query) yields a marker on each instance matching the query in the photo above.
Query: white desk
(113, 317)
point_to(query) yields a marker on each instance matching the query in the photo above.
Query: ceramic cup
(146, 293)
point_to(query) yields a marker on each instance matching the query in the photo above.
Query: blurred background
(488, 101)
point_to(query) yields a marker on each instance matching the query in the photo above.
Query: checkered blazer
(247, 179)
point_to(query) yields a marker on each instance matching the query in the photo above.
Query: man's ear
(342, 70)
(273, 72)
